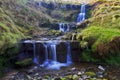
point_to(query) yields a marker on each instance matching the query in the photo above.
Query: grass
(100, 34)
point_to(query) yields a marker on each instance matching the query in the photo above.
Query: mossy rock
(92, 74)
(46, 77)
(54, 33)
(63, 79)
(24, 63)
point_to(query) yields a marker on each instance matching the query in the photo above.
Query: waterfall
(46, 52)
(64, 27)
(68, 28)
(50, 50)
(53, 48)
(69, 60)
(35, 59)
(82, 14)
(61, 27)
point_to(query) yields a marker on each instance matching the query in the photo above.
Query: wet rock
(30, 71)
(101, 68)
(79, 73)
(100, 74)
(29, 77)
(39, 78)
(37, 74)
(73, 69)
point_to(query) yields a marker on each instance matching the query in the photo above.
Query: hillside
(33, 30)
(103, 32)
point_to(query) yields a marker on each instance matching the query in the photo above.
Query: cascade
(69, 60)
(46, 52)
(54, 64)
(64, 27)
(53, 48)
(61, 27)
(68, 28)
(82, 14)
(50, 50)
(35, 59)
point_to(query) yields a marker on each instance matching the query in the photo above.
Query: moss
(89, 57)
(113, 60)
(46, 77)
(83, 44)
(54, 33)
(24, 62)
(92, 74)
(100, 34)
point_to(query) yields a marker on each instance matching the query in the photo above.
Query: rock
(92, 74)
(39, 78)
(30, 71)
(100, 74)
(35, 67)
(69, 77)
(29, 77)
(83, 70)
(79, 73)
(75, 77)
(37, 74)
(11, 77)
(80, 79)
(73, 69)
(84, 77)
(101, 68)
(44, 79)
(58, 78)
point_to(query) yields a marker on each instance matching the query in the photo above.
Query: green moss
(113, 60)
(24, 62)
(54, 33)
(100, 34)
(92, 74)
(46, 77)
(83, 44)
(87, 56)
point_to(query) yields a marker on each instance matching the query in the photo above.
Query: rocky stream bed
(77, 71)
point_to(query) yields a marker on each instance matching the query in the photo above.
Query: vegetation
(24, 63)
(102, 34)
(21, 19)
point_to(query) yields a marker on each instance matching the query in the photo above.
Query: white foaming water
(82, 14)
(54, 64)
(64, 27)
(35, 59)
(51, 46)
(69, 60)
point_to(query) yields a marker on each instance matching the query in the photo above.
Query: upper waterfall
(81, 15)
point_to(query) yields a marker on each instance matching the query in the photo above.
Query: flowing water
(81, 15)
(69, 60)
(64, 27)
(35, 60)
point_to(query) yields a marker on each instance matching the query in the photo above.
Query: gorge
(59, 40)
